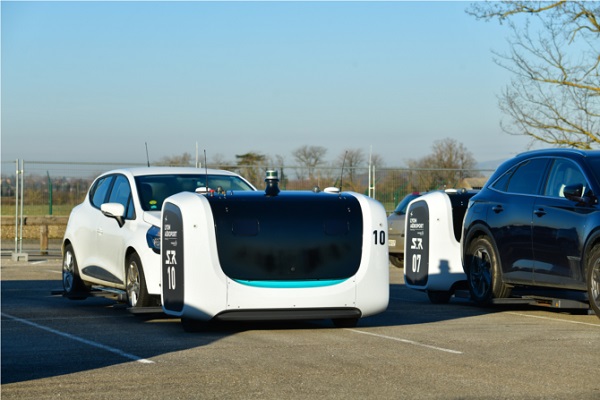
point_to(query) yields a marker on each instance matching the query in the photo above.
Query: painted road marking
(554, 319)
(81, 340)
(54, 272)
(412, 342)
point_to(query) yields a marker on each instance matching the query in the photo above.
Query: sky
(96, 81)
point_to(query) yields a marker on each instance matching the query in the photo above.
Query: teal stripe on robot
(291, 284)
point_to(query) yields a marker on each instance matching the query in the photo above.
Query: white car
(112, 239)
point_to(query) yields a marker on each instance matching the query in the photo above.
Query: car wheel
(397, 261)
(484, 272)
(137, 293)
(73, 286)
(593, 280)
(439, 296)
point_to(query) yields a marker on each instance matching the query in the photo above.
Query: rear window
(525, 178)
(403, 205)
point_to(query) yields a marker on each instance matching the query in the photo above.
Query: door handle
(99, 231)
(497, 209)
(540, 212)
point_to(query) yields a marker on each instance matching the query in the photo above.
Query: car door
(86, 235)
(509, 218)
(558, 229)
(112, 236)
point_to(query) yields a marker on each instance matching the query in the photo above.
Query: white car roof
(143, 171)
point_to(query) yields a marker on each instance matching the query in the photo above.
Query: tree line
(448, 164)
(311, 167)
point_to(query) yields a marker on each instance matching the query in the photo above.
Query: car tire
(397, 261)
(137, 293)
(593, 279)
(73, 286)
(484, 272)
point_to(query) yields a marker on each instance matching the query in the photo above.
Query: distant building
(472, 183)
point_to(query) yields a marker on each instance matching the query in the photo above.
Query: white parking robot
(273, 256)
(432, 258)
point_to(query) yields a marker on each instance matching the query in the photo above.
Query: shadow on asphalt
(29, 351)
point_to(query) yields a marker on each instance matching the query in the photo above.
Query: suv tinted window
(99, 191)
(563, 173)
(525, 178)
(502, 182)
(594, 163)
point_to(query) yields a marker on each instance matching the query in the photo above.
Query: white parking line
(407, 341)
(85, 341)
(54, 272)
(554, 319)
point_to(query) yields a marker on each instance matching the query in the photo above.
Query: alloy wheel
(133, 283)
(480, 274)
(68, 272)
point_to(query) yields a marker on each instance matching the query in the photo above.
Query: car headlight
(153, 238)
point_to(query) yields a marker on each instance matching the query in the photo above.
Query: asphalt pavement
(53, 347)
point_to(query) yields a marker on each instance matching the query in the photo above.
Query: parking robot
(432, 259)
(273, 255)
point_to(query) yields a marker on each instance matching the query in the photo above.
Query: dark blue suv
(536, 222)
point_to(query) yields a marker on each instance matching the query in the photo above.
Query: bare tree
(449, 162)
(351, 160)
(218, 161)
(252, 167)
(554, 55)
(377, 160)
(184, 160)
(309, 157)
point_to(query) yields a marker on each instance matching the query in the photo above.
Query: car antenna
(147, 158)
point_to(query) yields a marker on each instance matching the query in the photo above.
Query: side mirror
(575, 193)
(203, 190)
(114, 210)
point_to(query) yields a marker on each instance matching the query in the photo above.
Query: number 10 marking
(171, 277)
(379, 237)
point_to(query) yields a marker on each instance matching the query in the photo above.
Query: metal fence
(39, 188)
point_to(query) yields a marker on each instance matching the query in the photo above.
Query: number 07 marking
(416, 263)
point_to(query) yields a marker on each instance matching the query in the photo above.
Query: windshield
(154, 189)
(401, 208)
